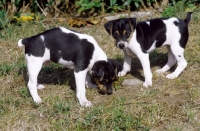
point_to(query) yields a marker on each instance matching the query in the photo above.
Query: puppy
(140, 38)
(76, 51)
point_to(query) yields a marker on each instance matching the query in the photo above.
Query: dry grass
(167, 105)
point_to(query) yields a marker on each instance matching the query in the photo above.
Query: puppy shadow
(156, 60)
(58, 75)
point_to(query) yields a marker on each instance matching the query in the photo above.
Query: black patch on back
(34, 46)
(146, 34)
(67, 46)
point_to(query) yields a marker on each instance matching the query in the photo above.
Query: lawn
(171, 105)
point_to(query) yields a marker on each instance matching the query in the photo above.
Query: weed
(24, 92)
(177, 8)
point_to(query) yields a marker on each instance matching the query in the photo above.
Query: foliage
(177, 7)
(87, 4)
(3, 19)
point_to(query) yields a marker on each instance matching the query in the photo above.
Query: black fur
(72, 48)
(106, 72)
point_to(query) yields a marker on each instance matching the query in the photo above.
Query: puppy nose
(109, 92)
(121, 45)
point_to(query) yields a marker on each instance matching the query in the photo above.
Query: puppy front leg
(80, 78)
(126, 65)
(144, 59)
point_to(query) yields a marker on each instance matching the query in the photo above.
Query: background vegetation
(171, 105)
(20, 10)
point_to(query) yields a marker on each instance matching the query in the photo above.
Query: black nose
(121, 45)
(109, 92)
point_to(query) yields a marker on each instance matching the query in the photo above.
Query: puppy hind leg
(39, 86)
(33, 71)
(170, 63)
(181, 63)
(80, 78)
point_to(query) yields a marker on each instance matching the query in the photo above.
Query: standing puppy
(140, 38)
(73, 50)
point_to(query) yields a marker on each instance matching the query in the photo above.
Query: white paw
(171, 76)
(40, 86)
(122, 73)
(147, 84)
(160, 71)
(86, 103)
(38, 100)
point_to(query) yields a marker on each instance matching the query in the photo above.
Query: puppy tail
(22, 42)
(188, 18)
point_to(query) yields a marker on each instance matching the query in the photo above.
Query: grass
(171, 105)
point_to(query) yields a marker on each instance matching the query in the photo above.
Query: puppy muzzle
(107, 88)
(121, 44)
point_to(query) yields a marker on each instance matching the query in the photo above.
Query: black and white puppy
(140, 38)
(75, 51)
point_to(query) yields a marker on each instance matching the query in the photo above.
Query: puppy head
(121, 30)
(105, 73)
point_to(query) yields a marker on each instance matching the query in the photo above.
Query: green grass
(171, 105)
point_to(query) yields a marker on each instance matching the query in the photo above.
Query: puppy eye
(127, 33)
(115, 34)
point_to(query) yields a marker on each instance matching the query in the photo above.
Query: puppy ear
(108, 26)
(116, 72)
(132, 22)
(98, 72)
(117, 66)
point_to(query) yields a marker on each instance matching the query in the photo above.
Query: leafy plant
(84, 5)
(137, 3)
(3, 19)
(176, 7)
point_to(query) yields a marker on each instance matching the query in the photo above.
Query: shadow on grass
(59, 75)
(156, 60)
(53, 74)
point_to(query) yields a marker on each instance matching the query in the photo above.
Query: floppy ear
(108, 26)
(116, 66)
(98, 72)
(132, 22)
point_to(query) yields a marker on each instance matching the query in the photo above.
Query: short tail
(22, 42)
(188, 18)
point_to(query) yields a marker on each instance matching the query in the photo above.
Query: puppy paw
(40, 86)
(86, 103)
(171, 76)
(160, 71)
(122, 73)
(38, 100)
(147, 84)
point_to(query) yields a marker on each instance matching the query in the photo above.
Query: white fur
(173, 37)
(82, 78)
(20, 43)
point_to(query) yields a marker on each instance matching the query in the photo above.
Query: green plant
(3, 19)
(175, 8)
(5, 69)
(84, 5)
(24, 92)
(137, 3)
